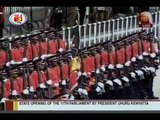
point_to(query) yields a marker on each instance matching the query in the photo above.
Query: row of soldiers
(30, 47)
(122, 69)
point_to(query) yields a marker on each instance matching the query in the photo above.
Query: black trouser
(135, 90)
(118, 92)
(82, 11)
(2, 107)
(149, 85)
(1, 30)
(58, 21)
(143, 92)
(109, 93)
(127, 93)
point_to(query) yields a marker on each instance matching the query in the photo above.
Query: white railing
(113, 29)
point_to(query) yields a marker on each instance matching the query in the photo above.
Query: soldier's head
(41, 67)
(1, 77)
(43, 39)
(84, 54)
(14, 75)
(2, 46)
(53, 64)
(17, 44)
(105, 74)
(31, 69)
(20, 71)
(34, 41)
(93, 53)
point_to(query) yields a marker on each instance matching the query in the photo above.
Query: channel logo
(18, 18)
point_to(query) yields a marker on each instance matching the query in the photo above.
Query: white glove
(26, 91)
(31, 89)
(128, 63)
(119, 66)
(35, 58)
(133, 59)
(64, 82)
(103, 68)
(49, 82)
(60, 50)
(110, 66)
(25, 59)
(3, 100)
(14, 92)
(97, 71)
(42, 85)
(8, 64)
(85, 74)
(12, 62)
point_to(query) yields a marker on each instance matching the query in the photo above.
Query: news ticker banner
(83, 105)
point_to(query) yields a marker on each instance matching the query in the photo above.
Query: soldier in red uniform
(104, 57)
(62, 44)
(1, 20)
(3, 55)
(43, 47)
(17, 52)
(129, 52)
(85, 67)
(91, 63)
(112, 56)
(135, 49)
(27, 55)
(65, 68)
(97, 59)
(64, 76)
(146, 46)
(18, 84)
(53, 46)
(54, 73)
(7, 87)
(122, 55)
(34, 49)
(34, 78)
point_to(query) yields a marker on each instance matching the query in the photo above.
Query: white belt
(1, 13)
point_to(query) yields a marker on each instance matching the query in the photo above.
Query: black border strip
(80, 2)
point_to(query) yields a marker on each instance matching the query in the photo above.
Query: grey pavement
(156, 84)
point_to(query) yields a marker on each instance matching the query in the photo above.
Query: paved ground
(156, 84)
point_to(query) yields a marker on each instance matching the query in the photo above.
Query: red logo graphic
(18, 18)
(145, 19)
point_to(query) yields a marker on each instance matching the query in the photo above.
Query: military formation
(40, 66)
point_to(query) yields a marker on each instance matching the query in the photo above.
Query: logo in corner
(18, 18)
(145, 19)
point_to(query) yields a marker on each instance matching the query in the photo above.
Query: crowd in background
(69, 16)
(85, 14)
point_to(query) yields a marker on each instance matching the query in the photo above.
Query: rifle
(49, 93)
(2, 85)
(64, 81)
(25, 48)
(29, 80)
(41, 83)
(25, 85)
